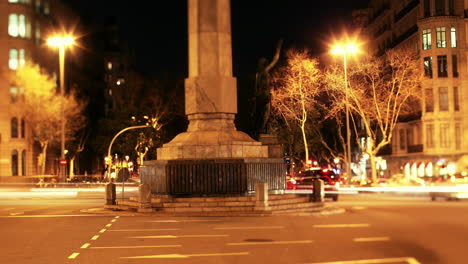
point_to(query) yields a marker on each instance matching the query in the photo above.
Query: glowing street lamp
(345, 49)
(61, 42)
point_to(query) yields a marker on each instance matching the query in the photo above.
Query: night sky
(156, 31)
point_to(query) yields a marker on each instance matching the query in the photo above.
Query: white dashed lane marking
(271, 243)
(155, 246)
(182, 236)
(341, 225)
(374, 261)
(73, 256)
(247, 227)
(179, 256)
(370, 239)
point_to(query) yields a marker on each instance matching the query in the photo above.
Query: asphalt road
(374, 229)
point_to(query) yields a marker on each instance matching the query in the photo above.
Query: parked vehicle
(331, 181)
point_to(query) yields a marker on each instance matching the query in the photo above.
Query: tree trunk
(306, 148)
(72, 167)
(373, 168)
(44, 145)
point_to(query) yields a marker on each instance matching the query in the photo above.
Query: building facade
(436, 143)
(24, 27)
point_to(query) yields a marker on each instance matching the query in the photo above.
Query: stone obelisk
(210, 91)
(212, 157)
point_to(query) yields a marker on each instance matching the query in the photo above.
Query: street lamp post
(61, 42)
(349, 48)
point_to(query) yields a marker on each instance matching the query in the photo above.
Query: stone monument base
(212, 176)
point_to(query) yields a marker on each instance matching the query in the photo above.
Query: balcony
(406, 10)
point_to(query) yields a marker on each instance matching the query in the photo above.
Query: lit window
(22, 26)
(428, 66)
(456, 99)
(13, 25)
(109, 65)
(440, 37)
(442, 66)
(13, 94)
(453, 37)
(443, 99)
(13, 61)
(120, 81)
(14, 127)
(429, 100)
(427, 43)
(22, 58)
(430, 136)
(444, 132)
(12, 1)
(14, 163)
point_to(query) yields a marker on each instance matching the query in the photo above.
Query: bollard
(319, 191)
(110, 194)
(261, 195)
(144, 198)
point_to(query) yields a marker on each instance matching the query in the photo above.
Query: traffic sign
(63, 162)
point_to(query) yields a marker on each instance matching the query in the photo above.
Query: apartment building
(24, 27)
(436, 143)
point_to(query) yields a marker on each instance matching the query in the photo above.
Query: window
(19, 26)
(430, 136)
(13, 94)
(440, 7)
(14, 163)
(457, 136)
(402, 139)
(444, 132)
(440, 37)
(454, 66)
(428, 66)
(20, 1)
(109, 65)
(427, 8)
(453, 37)
(14, 127)
(17, 59)
(37, 35)
(13, 62)
(426, 39)
(13, 25)
(443, 99)
(409, 137)
(451, 7)
(456, 99)
(46, 8)
(22, 58)
(429, 100)
(23, 162)
(442, 65)
(38, 6)
(23, 128)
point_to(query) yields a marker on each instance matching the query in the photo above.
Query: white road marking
(15, 214)
(157, 246)
(117, 217)
(341, 225)
(73, 256)
(44, 216)
(247, 227)
(113, 220)
(188, 255)
(108, 225)
(85, 245)
(138, 230)
(370, 239)
(102, 230)
(183, 236)
(271, 243)
(95, 237)
(181, 221)
(373, 261)
(7, 209)
(359, 207)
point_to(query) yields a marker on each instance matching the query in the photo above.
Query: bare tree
(294, 91)
(380, 91)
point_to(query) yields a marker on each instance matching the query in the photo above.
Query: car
(305, 180)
